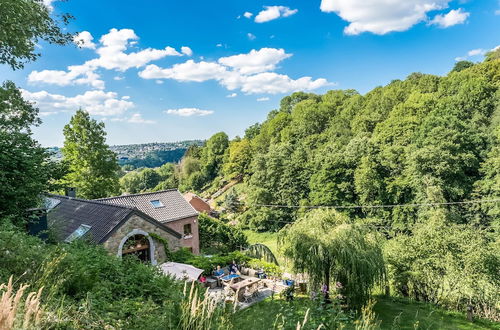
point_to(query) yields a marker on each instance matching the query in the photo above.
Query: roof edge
(91, 201)
(138, 194)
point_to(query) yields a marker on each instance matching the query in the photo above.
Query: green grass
(390, 310)
(393, 314)
(268, 239)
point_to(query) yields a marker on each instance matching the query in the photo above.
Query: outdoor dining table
(240, 286)
(230, 277)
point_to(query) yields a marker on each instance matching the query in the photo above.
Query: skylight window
(79, 232)
(50, 202)
(157, 203)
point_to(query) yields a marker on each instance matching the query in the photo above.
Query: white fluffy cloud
(112, 56)
(273, 12)
(272, 83)
(231, 95)
(136, 118)
(255, 61)
(96, 102)
(75, 75)
(262, 99)
(381, 16)
(48, 4)
(188, 112)
(187, 71)
(248, 72)
(84, 40)
(251, 36)
(247, 14)
(453, 17)
(186, 51)
(474, 53)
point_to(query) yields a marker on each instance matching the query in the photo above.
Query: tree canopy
(23, 23)
(328, 247)
(92, 166)
(24, 165)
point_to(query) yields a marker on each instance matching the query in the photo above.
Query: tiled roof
(103, 218)
(174, 206)
(71, 213)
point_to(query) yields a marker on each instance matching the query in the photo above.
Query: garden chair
(247, 295)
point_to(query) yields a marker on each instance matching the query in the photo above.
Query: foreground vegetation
(390, 314)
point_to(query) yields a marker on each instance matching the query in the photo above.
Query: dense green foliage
(23, 23)
(448, 264)
(24, 165)
(209, 263)
(328, 247)
(85, 287)
(391, 314)
(149, 179)
(154, 159)
(425, 139)
(219, 237)
(93, 168)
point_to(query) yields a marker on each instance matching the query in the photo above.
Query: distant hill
(146, 154)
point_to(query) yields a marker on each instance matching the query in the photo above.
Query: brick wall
(192, 242)
(137, 225)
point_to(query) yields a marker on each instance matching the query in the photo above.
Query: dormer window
(157, 203)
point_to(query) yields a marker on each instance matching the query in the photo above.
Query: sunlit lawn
(393, 314)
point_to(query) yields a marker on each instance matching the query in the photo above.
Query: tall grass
(16, 312)
(201, 311)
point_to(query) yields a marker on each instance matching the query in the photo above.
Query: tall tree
(22, 24)
(93, 168)
(328, 247)
(24, 167)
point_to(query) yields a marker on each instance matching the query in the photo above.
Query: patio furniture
(230, 277)
(211, 283)
(247, 295)
(241, 286)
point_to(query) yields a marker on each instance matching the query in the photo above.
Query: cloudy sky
(166, 71)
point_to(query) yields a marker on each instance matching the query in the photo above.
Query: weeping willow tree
(328, 247)
(261, 251)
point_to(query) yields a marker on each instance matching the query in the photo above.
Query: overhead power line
(476, 201)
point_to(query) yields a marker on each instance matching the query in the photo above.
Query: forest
(417, 161)
(392, 194)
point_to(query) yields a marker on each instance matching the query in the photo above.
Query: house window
(187, 231)
(157, 203)
(79, 232)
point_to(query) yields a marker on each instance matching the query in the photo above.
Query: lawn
(392, 314)
(270, 240)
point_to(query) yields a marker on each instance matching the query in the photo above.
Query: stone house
(120, 229)
(167, 207)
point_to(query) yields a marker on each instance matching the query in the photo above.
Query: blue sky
(168, 71)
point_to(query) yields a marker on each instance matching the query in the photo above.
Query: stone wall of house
(192, 241)
(138, 225)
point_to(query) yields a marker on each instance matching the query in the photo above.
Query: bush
(218, 237)
(85, 287)
(447, 264)
(209, 263)
(268, 267)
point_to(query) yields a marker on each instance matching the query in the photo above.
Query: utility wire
(477, 201)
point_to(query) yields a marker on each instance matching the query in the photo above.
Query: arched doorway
(139, 246)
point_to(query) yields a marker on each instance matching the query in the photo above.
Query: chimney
(37, 223)
(70, 192)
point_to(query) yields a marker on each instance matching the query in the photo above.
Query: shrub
(268, 267)
(218, 237)
(447, 264)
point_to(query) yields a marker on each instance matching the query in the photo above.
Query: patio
(228, 293)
